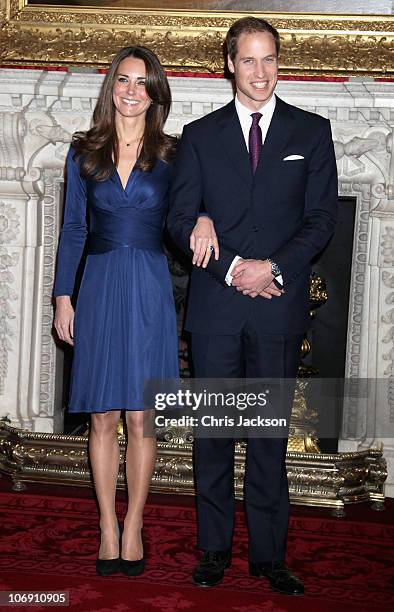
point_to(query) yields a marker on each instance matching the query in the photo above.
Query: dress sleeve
(74, 230)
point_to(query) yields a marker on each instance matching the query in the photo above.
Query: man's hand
(202, 236)
(64, 319)
(254, 277)
(268, 292)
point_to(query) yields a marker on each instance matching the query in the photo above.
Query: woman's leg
(104, 458)
(140, 463)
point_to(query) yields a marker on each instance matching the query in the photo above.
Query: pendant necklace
(128, 144)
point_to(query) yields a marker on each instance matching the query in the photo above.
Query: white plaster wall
(40, 110)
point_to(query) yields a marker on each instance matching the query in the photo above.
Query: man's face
(255, 69)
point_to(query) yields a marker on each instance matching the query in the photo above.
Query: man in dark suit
(266, 174)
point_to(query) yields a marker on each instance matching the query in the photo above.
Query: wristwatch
(275, 269)
(277, 274)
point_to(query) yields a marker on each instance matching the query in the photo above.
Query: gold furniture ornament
(304, 417)
(315, 479)
(312, 44)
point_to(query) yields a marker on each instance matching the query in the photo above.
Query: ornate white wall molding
(40, 110)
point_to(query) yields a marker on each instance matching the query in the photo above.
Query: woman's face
(129, 94)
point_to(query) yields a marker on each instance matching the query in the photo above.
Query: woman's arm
(185, 205)
(202, 237)
(64, 319)
(71, 245)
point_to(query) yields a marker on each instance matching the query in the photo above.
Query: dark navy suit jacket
(286, 211)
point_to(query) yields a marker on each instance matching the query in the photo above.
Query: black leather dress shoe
(210, 570)
(280, 578)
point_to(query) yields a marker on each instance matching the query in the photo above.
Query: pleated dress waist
(116, 233)
(100, 244)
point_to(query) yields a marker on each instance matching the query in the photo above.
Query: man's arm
(321, 204)
(185, 201)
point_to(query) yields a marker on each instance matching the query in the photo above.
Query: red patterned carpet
(49, 538)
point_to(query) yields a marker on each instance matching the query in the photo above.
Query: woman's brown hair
(98, 148)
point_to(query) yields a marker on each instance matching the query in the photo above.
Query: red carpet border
(50, 543)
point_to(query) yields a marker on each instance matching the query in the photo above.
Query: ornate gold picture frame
(334, 45)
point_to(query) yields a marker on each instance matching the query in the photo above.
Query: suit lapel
(233, 142)
(279, 134)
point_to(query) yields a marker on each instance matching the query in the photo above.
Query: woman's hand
(64, 319)
(202, 237)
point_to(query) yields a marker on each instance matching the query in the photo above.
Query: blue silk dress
(125, 329)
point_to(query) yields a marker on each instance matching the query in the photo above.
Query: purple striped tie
(255, 140)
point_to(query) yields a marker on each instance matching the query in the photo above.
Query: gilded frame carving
(312, 45)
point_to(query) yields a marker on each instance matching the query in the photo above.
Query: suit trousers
(250, 354)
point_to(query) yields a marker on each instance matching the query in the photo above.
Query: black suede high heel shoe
(107, 567)
(133, 568)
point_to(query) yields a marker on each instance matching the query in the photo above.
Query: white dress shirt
(245, 119)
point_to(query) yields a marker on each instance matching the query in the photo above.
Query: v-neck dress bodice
(125, 329)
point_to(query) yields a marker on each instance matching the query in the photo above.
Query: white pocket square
(293, 157)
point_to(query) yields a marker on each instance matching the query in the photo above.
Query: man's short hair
(248, 25)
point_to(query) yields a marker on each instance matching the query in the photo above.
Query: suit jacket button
(255, 228)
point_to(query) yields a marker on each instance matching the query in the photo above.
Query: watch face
(275, 269)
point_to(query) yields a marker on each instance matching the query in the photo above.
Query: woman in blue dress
(124, 330)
